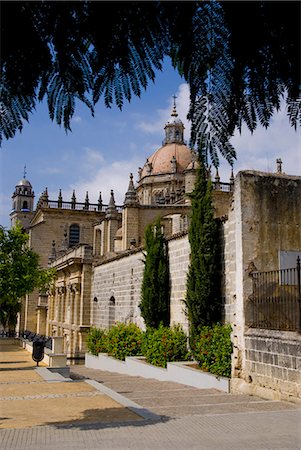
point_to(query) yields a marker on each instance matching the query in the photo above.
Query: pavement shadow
(96, 419)
(13, 369)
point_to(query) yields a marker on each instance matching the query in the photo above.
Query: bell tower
(22, 203)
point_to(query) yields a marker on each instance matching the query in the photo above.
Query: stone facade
(69, 304)
(263, 221)
(116, 290)
(117, 284)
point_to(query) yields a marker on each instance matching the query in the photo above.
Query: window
(73, 235)
(287, 266)
(25, 205)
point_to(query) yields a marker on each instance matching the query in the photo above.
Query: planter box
(179, 372)
(105, 362)
(137, 366)
(182, 373)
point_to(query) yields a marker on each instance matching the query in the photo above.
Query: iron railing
(275, 302)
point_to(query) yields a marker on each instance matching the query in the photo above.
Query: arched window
(111, 311)
(73, 235)
(25, 205)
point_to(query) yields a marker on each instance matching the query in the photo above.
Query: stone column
(77, 291)
(71, 305)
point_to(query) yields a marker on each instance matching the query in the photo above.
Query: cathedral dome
(174, 156)
(161, 160)
(24, 182)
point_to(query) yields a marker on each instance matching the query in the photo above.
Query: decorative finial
(73, 200)
(112, 199)
(87, 202)
(174, 111)
(25, 172)
(60, 199)
(232, 177)
(130, 196)
(99, 208)
(111, 210)
(279, 165)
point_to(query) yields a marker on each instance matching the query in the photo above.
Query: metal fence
(275, 302)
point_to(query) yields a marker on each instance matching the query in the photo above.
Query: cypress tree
(202, 279)
(154, 304)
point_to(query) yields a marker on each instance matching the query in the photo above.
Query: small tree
(155, 285)
(20, 273)
(202, 281)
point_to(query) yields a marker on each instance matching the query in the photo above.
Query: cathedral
(75, 237)
(97, 251)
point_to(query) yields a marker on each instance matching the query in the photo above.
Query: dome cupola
(174, 131)
(165, 168)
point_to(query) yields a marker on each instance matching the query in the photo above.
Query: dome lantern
(174, 131)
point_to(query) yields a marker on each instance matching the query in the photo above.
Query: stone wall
(178, 252)
(116, 290)
(121, 279)
(265, 219)
(273, 363)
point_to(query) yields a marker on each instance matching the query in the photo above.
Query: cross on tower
(25, 172)
(174, 111)
(279, 165)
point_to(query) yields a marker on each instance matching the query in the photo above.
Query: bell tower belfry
(23, 203)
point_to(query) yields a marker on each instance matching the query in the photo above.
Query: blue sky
(100, 152)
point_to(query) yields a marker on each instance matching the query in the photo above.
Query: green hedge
(212, 348)
(97, 341)
(165, 344)
(124, 340)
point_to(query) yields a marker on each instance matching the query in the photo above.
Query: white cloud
(163, 115)
(113, 175)
(93, 156)
(260, 150)
(76, 119)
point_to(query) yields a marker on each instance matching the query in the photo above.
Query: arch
(25, 204)
(74, 234)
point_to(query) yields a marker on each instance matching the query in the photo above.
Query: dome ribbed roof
(24, 182)
(161, 159)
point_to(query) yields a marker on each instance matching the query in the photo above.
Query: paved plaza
(94, 409)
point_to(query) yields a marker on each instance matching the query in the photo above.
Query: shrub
(165, 344)
(212, 348)
(97, 341)
(124, 340)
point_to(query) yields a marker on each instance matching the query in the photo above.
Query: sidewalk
(31, 396)
(112, 411)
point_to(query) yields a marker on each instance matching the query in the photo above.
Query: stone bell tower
(22, 203)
